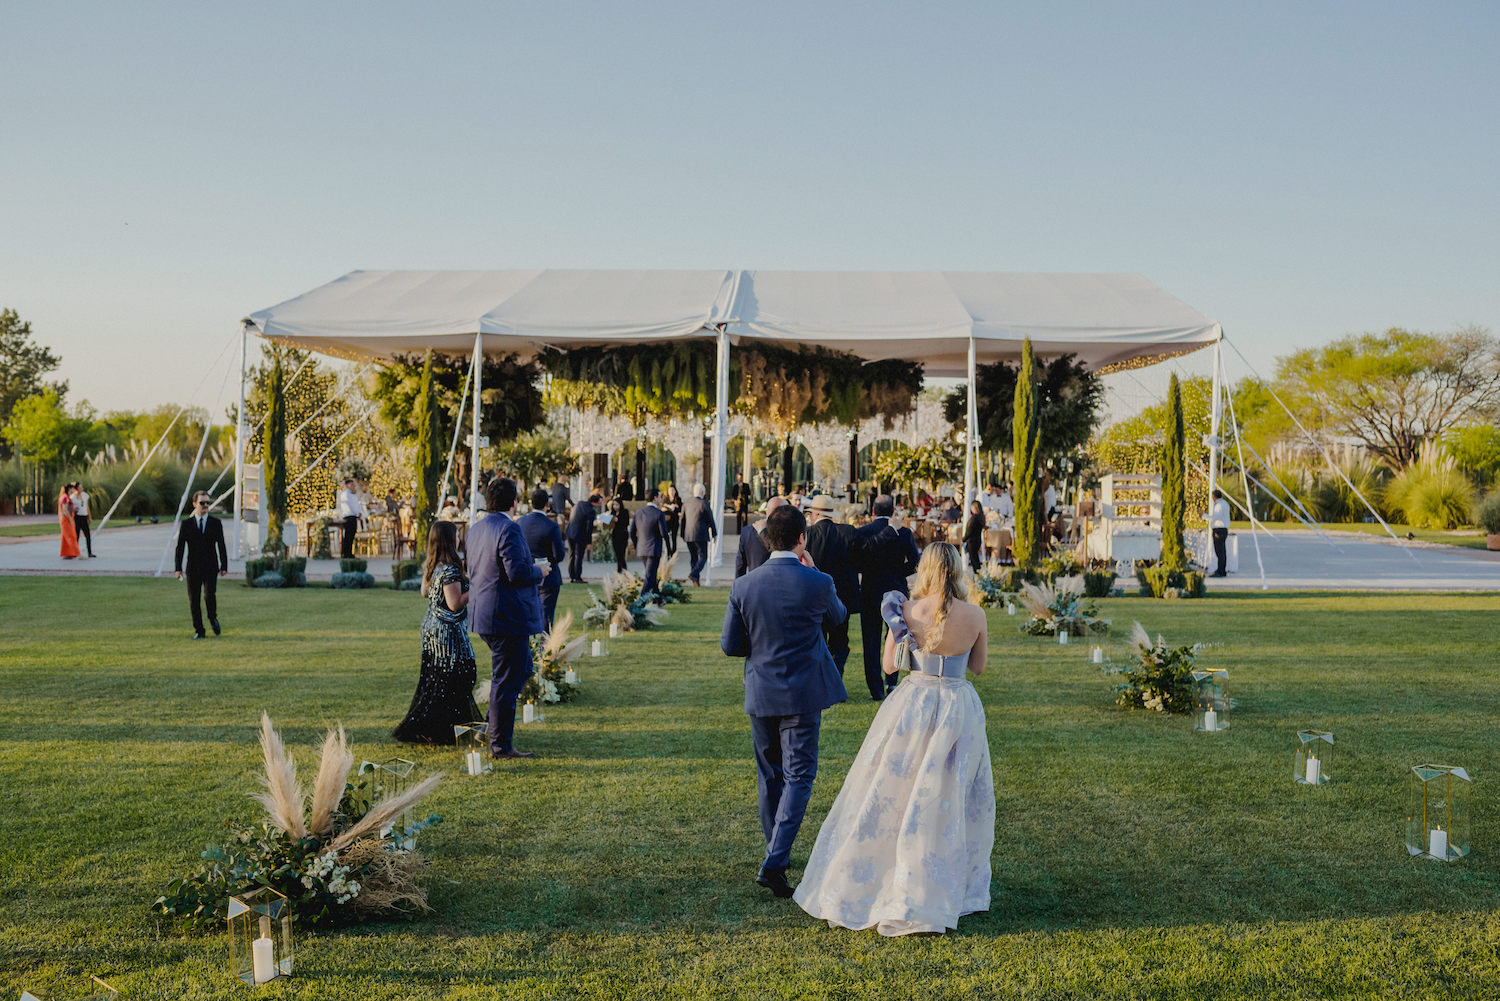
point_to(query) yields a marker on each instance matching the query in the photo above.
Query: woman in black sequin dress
(445, 689)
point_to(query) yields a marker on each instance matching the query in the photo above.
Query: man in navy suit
(203, 538)
(753, 549)
(648, 531)
(776, 618)
(886, 556)
(544, 539)
(504, 608)
(581, 535)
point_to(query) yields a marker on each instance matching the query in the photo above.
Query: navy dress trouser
(786, 762)
(510, 666)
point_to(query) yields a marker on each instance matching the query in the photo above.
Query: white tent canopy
(926, 316)
(950, 321)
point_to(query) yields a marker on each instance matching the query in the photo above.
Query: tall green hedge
(1025, 438)
(1174, 482)
(273, 473)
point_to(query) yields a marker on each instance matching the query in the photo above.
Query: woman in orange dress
(65, 523)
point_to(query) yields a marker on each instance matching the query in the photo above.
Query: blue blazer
(775, 620)
(647, 530)
(503, 599)
(752, 552)
(581, 525)
(544, 539)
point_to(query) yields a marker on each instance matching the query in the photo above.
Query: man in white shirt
(1005, 507)
(350, 509)
(1218, 522)
(81, 516)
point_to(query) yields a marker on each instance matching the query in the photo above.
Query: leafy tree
(22, 367)
(510, 397)
(1173, 482)
(428, 457)
(1397, 390)
(1025, 447)
(1069, 401)
(1136, 444)
(537, 456)
(1475, 448)
(42, 431)
(273, 471)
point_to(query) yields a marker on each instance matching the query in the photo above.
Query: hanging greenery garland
(780, 388)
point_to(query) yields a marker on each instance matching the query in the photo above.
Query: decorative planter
(1492, 542)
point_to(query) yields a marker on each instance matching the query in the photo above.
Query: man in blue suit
(504, 608)
(544, 539)
(581, 535)
(776, 617)
(753, 550)
(648, 531)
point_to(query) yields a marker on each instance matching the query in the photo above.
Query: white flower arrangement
(335, 879)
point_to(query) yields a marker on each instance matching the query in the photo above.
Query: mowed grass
(1133, 857)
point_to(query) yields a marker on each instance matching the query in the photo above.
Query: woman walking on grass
(445, 688)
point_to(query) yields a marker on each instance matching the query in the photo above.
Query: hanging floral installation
(779, 388)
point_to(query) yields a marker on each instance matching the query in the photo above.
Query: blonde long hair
(940, 574)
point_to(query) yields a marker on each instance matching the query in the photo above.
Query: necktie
(201, 526)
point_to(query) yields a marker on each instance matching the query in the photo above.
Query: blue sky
(1296, 171)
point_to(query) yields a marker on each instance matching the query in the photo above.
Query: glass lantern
(92, 990)
(1064, 633)
(473, 740)
(1437, 812)
(1211, 700)
(1096, 638)
(1314, 762)
(388, 778)
(598, 639)
(260, 936)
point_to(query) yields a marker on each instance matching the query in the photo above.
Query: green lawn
(1134, 858)
(51, 528)
(1468, 538)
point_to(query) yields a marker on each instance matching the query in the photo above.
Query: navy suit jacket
(775, 620)
(503, 598)
(648, 528)
(828, 545)
(698, 521)
(581, 525)
(544, 539)
(886, 558)
(752, 552)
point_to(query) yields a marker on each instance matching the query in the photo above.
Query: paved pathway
(1296, 560)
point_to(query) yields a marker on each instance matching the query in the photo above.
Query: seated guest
(950, 513)
(450, 509)
(1004, 505)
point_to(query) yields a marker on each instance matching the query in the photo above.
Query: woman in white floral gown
(906, 847)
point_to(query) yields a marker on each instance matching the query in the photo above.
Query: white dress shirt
(349, 505)
(1005, 506)
(1218, 514)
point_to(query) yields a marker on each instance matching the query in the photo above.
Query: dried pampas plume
(385, 811)
(557, 639)
(1038, 599)
(333, 774)
(283, 796)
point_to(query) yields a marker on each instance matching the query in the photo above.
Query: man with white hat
(828, 542)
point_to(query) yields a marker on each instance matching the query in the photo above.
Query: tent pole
(1215, 419)
(970, 444)
(239, 441)
(474, 450)
(458, 426)
(716, 491)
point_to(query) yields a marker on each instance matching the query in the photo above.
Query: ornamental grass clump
(1057, 607)
(335, 855)
(551, 653)
(1159, 677)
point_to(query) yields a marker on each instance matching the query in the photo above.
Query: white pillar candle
(1314, 770)
(1437, 844)
(528, 713)
(1097, 655)
(473, 759)
(571, 676)
(614, 630)
(1062, 637)
(598, 649)
(263, 954)
(1210, 721)
(1010, 609)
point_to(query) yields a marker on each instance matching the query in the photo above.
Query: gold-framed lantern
(599, 634)
(1437, 812)
(260, 936)
(387, 778)
(1210, 700)
(473, 740)
(1313, 765)
(92, 989)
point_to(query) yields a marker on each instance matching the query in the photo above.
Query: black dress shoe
(1219, 574)
(775, 881)
(215, 624)
(197, 636)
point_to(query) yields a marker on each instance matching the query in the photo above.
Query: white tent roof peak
(928, 316)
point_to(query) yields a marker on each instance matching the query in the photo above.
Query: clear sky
(1295, 170)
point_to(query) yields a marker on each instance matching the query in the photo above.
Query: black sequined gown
(445, 689)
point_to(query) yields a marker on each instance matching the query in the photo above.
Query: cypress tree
(1025, 440)
(273, 451)
(428, 458)
(1174, 482)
